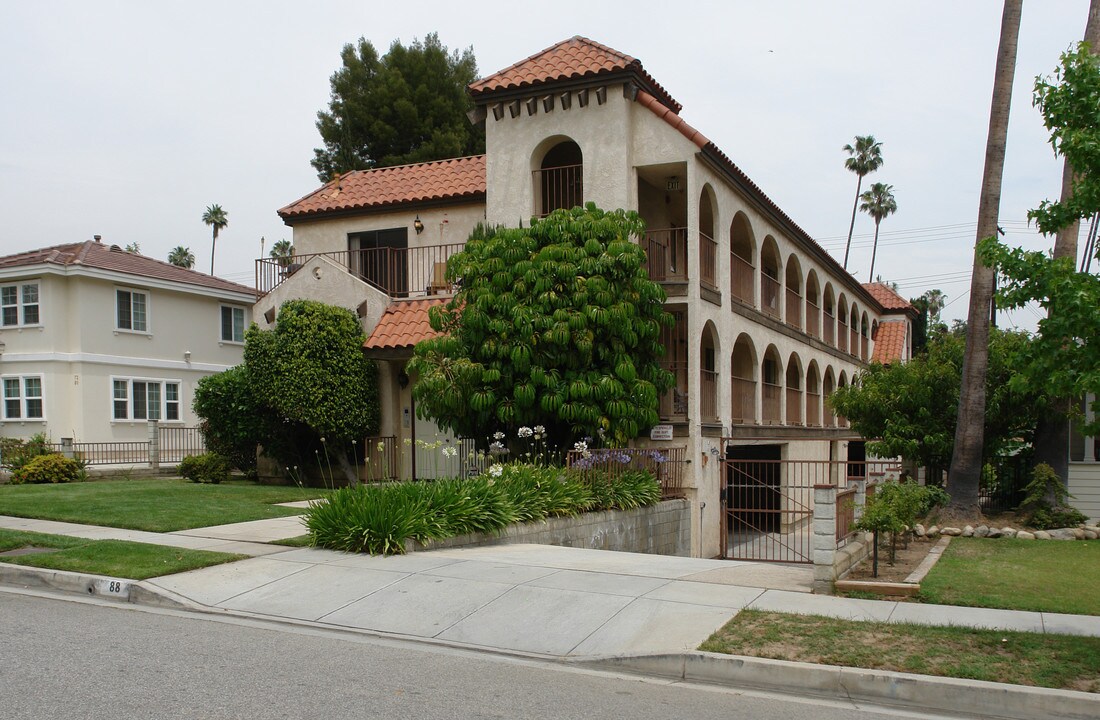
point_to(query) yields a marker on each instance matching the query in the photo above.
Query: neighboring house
(96, 341)
(767, 323)
(1084, 467)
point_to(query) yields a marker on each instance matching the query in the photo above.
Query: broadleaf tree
(556, 324)
(406, 106)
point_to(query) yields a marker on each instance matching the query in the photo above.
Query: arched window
(559, 179)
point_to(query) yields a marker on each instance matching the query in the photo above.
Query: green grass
(114, 558)
(1053, 661)
(156, 505)
(1039, 575)
(296, 541)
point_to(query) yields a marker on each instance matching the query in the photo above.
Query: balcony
(842, 337)
(794, 406)
(794, 309)
(741, 277)
(813, 320)
(813, 409)
(829, 334)
(666, 255)
(864, 348)
(743, 401)
(772, 409)
(708, 262)
(769, 295)
(853, 348)
(708, 396)
(559, 188)
(674, 403)
(398, 272)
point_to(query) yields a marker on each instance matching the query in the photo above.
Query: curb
(919, 692)
(120, 589)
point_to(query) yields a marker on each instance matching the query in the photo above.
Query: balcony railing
(813, 409)
(741, 276)
(864, 347)
(842, 337)
(813, 320)
(708, 262)
(794, 309)
(559, 188)
(743, 404)
(769, 295)
(666, 255)
(708, 396)
(398, 272)
(674, 403)
(853, 347)
(829, 334)
(794, 406)
(827, 416)
(772, 409)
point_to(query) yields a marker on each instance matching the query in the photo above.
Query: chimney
(97, 238)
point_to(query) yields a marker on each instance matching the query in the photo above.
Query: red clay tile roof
(394, 186)
(573, 59)
(97, 255)
(889, 341)
(886, 297)
(403, 325)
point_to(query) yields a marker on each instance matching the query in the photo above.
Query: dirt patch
(905, 562)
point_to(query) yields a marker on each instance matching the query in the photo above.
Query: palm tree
(864, 157)
(218, 219)
(878, 202)
(966, 459)
(282, 251)
(182, 257)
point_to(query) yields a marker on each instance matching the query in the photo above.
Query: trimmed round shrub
(208, 468)
(52, 468)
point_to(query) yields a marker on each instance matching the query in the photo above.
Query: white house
(767, 323)
(96, 341)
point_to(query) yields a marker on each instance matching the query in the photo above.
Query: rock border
(1082, 532)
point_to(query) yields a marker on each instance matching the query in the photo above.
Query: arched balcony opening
(674, 403)
(794, 292)
(813, 309)
(853, 345)
(842, 383)
(864, 338)
(771, 376)
(708, 246)
(842, 324)
(828, 322)
(794, 390)
(813, 396)
(559, 179)
(770, 267)
(742, 254)
(828, 387)
(743, 381)
(708, 374)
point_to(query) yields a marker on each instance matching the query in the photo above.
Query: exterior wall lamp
(418, 225)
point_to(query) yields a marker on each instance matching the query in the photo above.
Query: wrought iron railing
(794, 406)
(743, 403)
(813, 319)
(772, 404)
(794, 309)
(708, 262)
(769, 295)
(708, 395)
(666, 254)
(559, 188)
(741, 279)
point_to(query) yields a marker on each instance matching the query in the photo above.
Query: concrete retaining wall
(661, 529)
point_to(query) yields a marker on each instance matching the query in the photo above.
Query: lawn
(1053, 661)
(114, 558)
(1040, 575)
(156, 505)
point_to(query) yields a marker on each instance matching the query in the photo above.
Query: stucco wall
(443, 225)
(325, 280)
(660, 529)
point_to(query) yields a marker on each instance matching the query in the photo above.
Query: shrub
(16, 452)
(895, 507)
(1046, 501)
(50, 468)
(370, 518)
(208, 468)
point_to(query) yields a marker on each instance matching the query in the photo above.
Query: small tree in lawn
(311, 371)
(556, 324)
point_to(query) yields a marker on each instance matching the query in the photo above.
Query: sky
(127, 119)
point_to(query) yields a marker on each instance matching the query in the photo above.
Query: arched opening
(742, 253)
(864, 338)
(794, 390)
(828, 324)
(842, 324)
(708, 246)
(770, 267)
(743, 381)
(828, 387)
(794, 292)
(874, 338)
(708, 374)
(771, 376)
(842, 421)
(813, 310)
(559, 179)
(853, 345)
(813, 396)
(674, 338)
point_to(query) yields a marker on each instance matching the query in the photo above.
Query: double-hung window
(145, 399)
(232, 324)
(19, 305)
(23, 398)
(132, 310)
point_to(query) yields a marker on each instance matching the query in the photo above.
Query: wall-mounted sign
(661, 432)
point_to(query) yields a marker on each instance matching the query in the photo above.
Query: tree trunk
(213, 243)
(1052, 432)
(855, 207)
(966, 461)
(874, 251)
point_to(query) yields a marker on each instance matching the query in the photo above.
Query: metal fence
(666, 464)
(167, 444)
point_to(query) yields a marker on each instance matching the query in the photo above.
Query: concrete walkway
(546, 600)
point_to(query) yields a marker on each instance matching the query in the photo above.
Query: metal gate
(768, 511)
